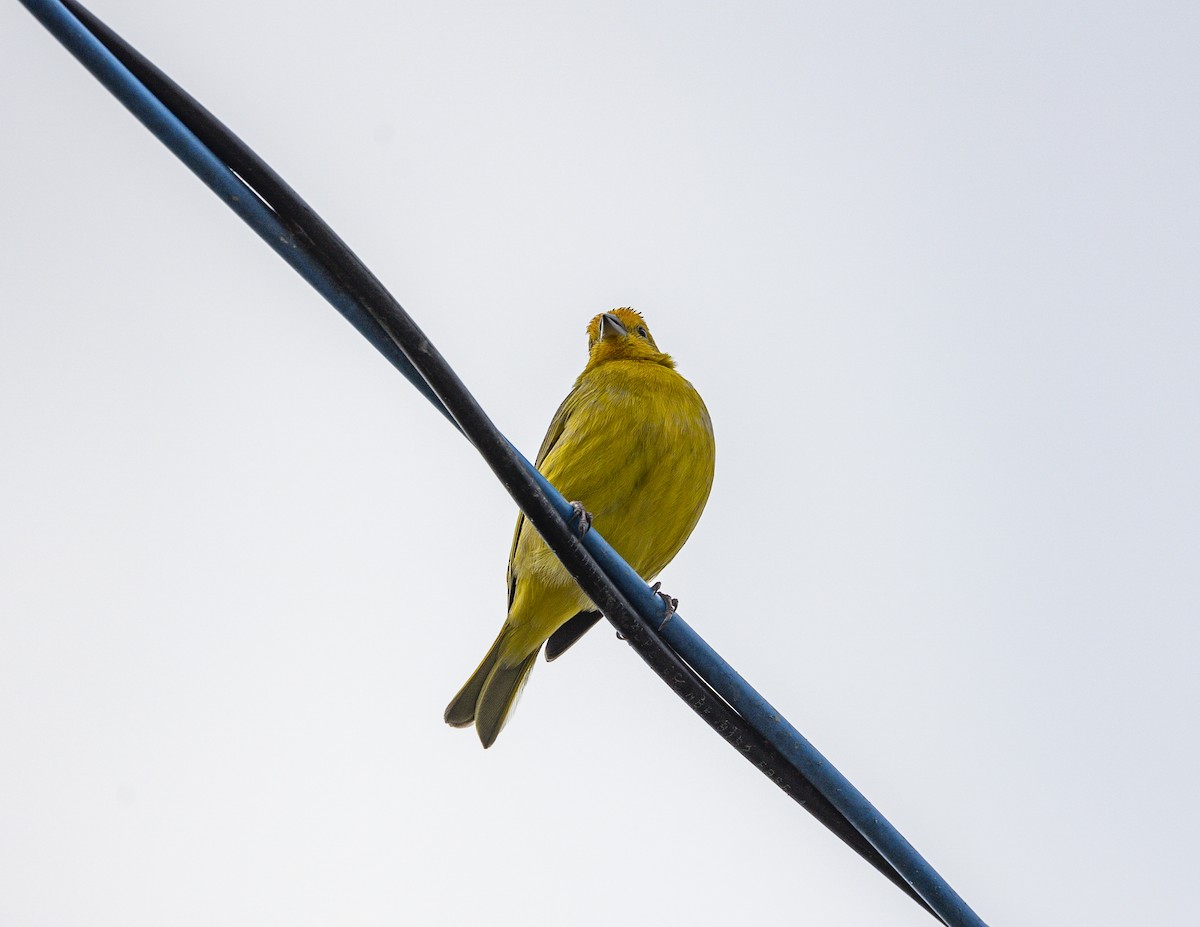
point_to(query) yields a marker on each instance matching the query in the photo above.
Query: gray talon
(670, 602)
(584, 517)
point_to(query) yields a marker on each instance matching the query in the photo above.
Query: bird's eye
(641, 331)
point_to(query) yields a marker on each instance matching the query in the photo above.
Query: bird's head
(622, 335)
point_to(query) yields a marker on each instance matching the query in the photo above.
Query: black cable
(394, 329)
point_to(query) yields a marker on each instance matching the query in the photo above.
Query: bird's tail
(491, 694)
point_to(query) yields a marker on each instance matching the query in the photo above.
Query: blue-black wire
(391, 327)
(329, 250)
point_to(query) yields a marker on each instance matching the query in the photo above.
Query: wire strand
(294, 230)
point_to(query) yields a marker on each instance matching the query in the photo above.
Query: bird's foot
(583, 516)
(669, 602)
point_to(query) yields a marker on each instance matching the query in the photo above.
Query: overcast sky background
(935, 269)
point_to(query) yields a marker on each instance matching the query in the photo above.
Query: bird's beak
(611, 327)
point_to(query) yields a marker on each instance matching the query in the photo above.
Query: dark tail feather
(499, 697)
(461, 710)
(569, 633)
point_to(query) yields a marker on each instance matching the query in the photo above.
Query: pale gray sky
(934, 268)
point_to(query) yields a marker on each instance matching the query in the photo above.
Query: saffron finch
(632, 443)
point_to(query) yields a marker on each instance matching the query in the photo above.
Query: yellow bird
(632, 443)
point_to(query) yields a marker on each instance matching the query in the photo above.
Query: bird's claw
(670, 603)
(583, 516)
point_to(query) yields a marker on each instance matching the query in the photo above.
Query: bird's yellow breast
(635, 446)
